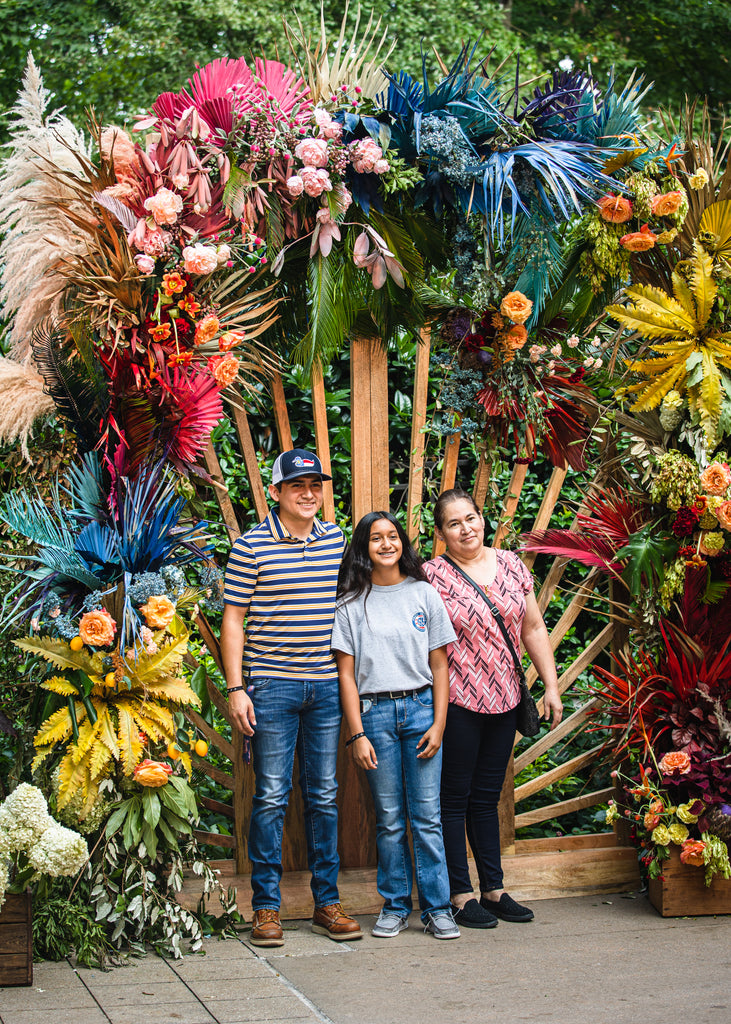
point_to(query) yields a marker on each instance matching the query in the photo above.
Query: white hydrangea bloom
(24, 816)
(4, 879)
(59, 851)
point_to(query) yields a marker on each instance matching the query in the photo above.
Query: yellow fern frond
(87, 737)
(129, 741)
(646, 324)
(703, 285)
(107, 734)
(40, 758)
(162, 716)
(99, 758)
(56, 728)
(60, 685)
(186, 762)
(60, 654)
(709, 395)
(152, 728)
(175, 689)
(683, 294)
(664, 307)
(652, 392)
(165, 662)
(72, 778)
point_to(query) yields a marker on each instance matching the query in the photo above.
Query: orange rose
(651, 821)
(676, 762)
(656, 805)
(715, 479)
(668, 204)
(516, 307)
(97, 628)
(615, 209)
(225, 369)
(159, 611)
(206, 329)
(723, 514)
(639, 241)
(691, 852)
(152, 773)
(516, 337)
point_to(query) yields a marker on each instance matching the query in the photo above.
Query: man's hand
(242, 712)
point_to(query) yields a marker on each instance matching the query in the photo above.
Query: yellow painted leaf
(649, 325)
(186, 762)
(166, 661)
(175, 689)
(72, 778)
(163, 716)
(704, 287)
(656, 301)
(99, 758)
(129, 741)
(622, 159)
(152, 728)
(87, 738)
(710, 390)
(716, 218)
(60, 654)
(655, 390)
(60, 685)
(107, 734)
(683, 294)
(55, 729)
(40, 758)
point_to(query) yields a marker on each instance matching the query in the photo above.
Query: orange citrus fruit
(109, 679)
(201, 748)
(173, 751)
(76, 644)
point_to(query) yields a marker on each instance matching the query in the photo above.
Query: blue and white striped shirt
(288, 587)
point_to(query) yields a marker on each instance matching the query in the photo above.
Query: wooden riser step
(539, 869)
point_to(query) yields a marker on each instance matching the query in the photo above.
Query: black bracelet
(233, 689)
(357, 736)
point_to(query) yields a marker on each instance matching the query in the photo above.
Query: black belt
(392, 694)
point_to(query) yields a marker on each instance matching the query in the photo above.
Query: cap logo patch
(301, 463)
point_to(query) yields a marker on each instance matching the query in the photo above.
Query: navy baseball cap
(297, 462)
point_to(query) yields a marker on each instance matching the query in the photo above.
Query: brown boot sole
(266, 942)
(320, 929)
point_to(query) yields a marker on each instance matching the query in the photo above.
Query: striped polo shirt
(288, 587)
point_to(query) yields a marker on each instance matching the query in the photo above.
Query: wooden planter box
(682, 892)
(16, 940)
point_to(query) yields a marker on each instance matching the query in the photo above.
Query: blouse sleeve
(522, 572)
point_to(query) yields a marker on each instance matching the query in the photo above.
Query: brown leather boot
(331, 921)
(266, 929)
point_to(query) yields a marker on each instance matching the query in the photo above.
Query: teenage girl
(390, 636)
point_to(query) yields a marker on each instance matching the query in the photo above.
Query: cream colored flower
(698, 180)
(678, 833)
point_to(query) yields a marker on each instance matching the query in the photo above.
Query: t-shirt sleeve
(441, 630)
(342, 636)
(242, 572)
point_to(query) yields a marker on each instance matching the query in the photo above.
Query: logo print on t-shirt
(419, 622)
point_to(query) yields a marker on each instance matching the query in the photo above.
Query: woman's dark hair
(446, 498)
(356, 571)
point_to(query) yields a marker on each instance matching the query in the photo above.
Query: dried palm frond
(35, 230)
(352, 64)
(22, 402)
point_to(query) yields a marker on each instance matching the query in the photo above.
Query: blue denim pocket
(426, 697)
(258, 685)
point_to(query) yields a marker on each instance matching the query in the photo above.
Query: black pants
(475, 752)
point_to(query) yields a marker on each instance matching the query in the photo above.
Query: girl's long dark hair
(356, 571)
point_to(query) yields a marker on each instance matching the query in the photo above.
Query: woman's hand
(552, 706)
(363, 753)
(431, 741)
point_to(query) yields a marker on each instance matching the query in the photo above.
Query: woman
(390, 640)
(483, 697)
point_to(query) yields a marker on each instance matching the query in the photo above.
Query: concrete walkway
(587, 960)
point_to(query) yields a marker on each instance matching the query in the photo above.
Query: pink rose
(145, 263)
(364, 155)
(329, 129)
(315, 181)
(155, 242)
(200, 259)
(223, 254)
(381, 166)
(723, 514)
(164, 206)
(312, 152)
(295, 185)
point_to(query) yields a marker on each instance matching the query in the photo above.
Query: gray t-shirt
(390, 633)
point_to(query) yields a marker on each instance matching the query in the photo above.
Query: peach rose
(97, 628)
(691, 853)
(516, 337)
(516, 307)
(677, 762)
(639, 241)
(159, 611)
(666, 205)
(200, 259)
(656, 805)
(312, 152)
(164, 206)
(225, 369)
(315, 181)
(152, 773)
(651, 821)
(364, 155)
(715, 479)
(615, 209)
(723, 514)
(155, 242)
(295, 185)
(329, 129)
(230, 339)
(145, 263)
(206, 329)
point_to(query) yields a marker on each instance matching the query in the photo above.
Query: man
(282, 579)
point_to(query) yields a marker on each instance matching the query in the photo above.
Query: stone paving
(588, 960)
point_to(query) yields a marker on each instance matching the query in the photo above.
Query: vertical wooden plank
(380, 497)
(360, 425)
(510, 505)
(550, 498)
(252, 466)
(482, 478)
(281, 416)
(415, 491)
(322, 440)
(220, 492)
(449, 476)
(506, 810)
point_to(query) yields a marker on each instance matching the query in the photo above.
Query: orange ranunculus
(677, 762)
(97, 628)
(723, 514)
(225, 369)
(615, 209)
(651, 821)
(159, 611)
(173, 283)
(516, 307)
(516, 337)
(639, 241)
(152, 773)
(666, 205)
(715, 479)
(691, 852)
(207, 329)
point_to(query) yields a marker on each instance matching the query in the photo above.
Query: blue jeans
(405, 785)
(304, 714)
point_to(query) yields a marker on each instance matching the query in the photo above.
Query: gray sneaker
(388, 925)
(442, 926)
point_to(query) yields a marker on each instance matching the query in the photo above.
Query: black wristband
(357, 736)
(233, 689)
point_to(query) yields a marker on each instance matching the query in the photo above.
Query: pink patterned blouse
(482, 675)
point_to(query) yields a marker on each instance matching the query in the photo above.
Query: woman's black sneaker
(474, 915)
(507, 909)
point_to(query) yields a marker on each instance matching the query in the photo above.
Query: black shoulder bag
(528, 722)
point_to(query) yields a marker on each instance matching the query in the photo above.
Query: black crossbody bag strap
(496, 615)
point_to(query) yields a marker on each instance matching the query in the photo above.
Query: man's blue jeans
(302, 714)
(404, 785)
